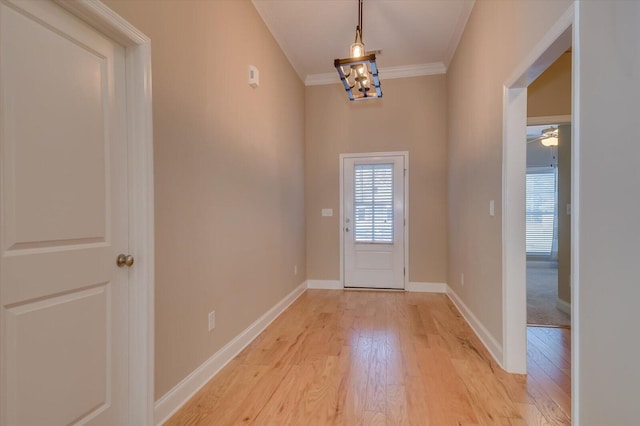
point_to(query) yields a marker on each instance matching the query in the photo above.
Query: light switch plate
(212, 320)
(492, 208)
(254, 76)
(327, 212)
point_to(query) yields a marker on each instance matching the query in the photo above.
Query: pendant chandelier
(359, 73)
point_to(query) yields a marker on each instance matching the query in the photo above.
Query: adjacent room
(293, 212)
(548, 196)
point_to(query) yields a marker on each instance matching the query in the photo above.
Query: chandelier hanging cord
(360, 18)
(359, 71)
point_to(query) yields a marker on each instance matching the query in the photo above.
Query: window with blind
(373, 203)
(541, 211)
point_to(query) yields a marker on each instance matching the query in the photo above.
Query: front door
(373, 221)
(64, 220)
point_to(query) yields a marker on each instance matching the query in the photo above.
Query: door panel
(374, 203)
(50, 206)
(63, 195)
(52, 350)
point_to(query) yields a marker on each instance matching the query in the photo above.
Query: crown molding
(413, 70)
(463, 18)
(404, 71)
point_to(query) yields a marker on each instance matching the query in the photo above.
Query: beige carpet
(542, 294)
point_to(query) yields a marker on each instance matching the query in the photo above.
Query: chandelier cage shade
(359, 72)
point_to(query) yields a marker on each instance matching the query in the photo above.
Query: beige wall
(550, 94)
(228, 175)
(608, 248)
(410, 117)
(498, 36)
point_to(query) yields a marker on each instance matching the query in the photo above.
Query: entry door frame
(141, 206)
(405, 155)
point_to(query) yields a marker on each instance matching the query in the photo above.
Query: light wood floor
(376, 358)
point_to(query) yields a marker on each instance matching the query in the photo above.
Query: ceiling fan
(548, 137)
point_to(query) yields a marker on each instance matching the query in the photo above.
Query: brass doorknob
(124, 259)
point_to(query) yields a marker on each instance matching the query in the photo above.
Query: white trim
(141, 205)
(324, 284)
(575, 219)
(553, 44)
(388, 73)
(563, 306)
(322, 79)
(183, 391)
(404, 154)
(419, 287)
(418, 70)
(514, 260)
(549, 119)
(486, 338)
(463, 18)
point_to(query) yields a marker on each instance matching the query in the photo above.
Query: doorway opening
(561, 37)
(548, 230)
(554, 44)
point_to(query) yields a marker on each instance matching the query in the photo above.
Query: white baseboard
(426, 287)
(166, 406)
(563, 306)
(325, 285)
(492, 345)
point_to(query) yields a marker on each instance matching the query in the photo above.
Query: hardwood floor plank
(562, 397)
(545, 402)
(374, 418)
(417, 404)
(489, 399)
(537, 361)
(555, 353)
(367, 358)
(529, 415)
(257, 393)
(282, 407)
(447, 394)
(396, 405)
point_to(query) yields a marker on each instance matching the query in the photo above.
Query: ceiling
(418, 36)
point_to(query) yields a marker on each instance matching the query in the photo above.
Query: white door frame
(561, 36)
(404, 154)
(141, 207)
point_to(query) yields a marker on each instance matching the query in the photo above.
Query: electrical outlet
(212, 320)
(295, 269)
(462, 279)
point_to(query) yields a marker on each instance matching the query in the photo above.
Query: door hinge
(404, 271)
(405, 172)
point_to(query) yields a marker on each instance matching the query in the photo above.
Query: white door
(64, 220)
(373, 221)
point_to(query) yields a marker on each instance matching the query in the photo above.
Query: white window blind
(373, 203)
(541, 211)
